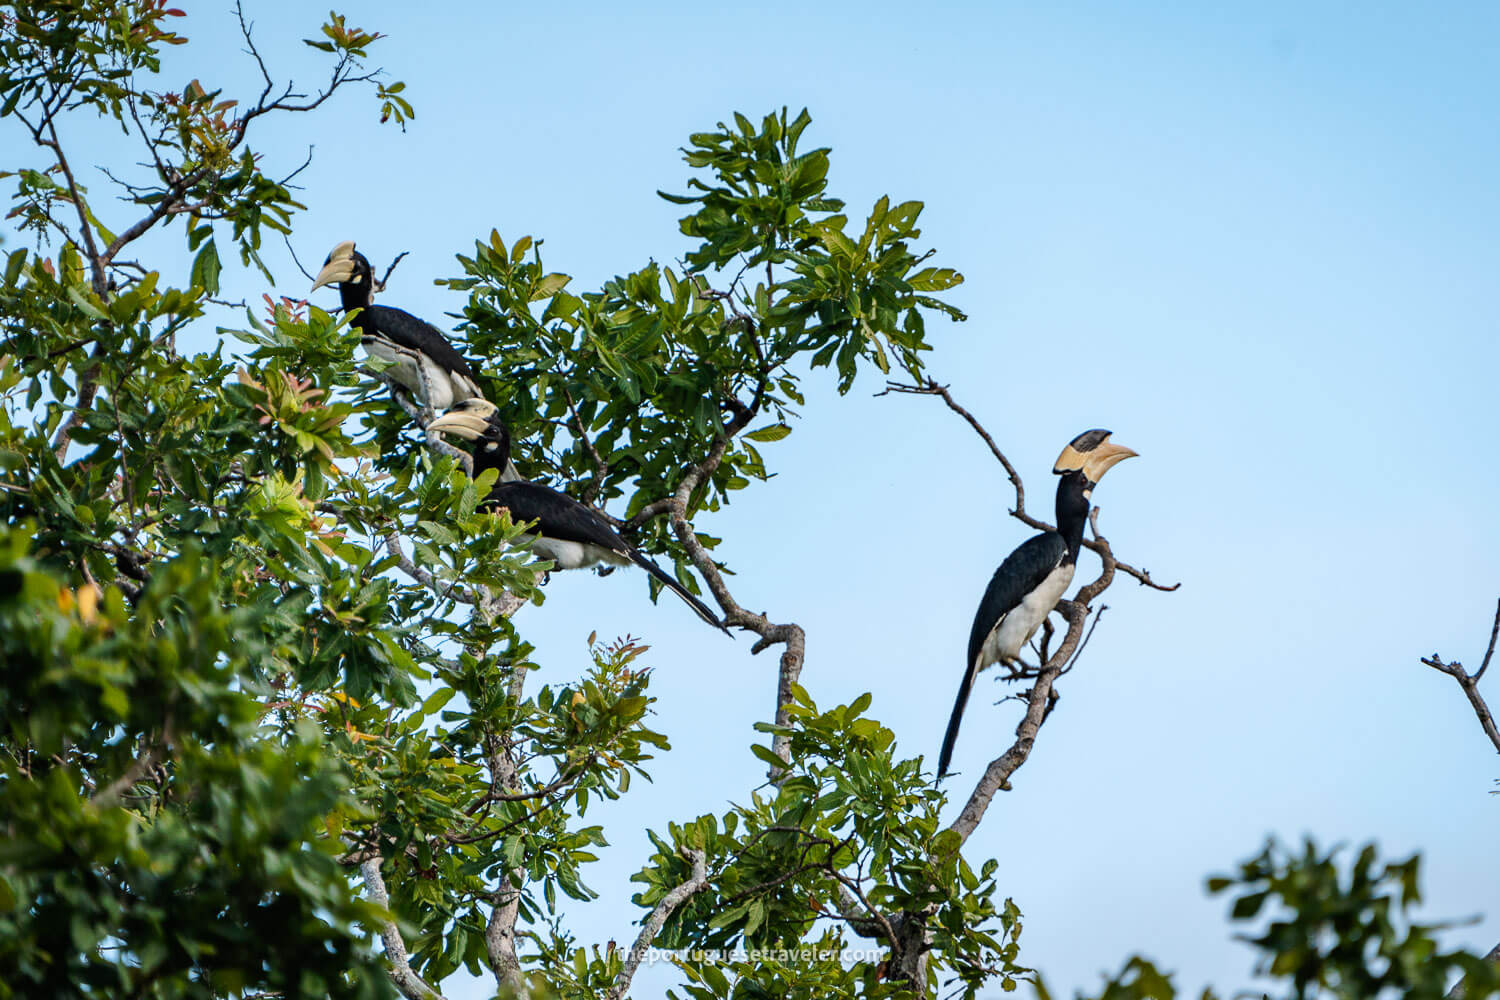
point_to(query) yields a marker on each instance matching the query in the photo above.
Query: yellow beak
(470, 419)
(338, 267)
(1093, 454)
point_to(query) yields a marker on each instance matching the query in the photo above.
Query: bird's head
(1090, 455)
(346, 266)
(479, 421)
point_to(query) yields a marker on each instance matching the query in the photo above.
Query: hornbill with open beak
(1033, 578)
(413, 346)
(565, 532)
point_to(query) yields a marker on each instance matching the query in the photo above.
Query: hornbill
(1032, 579)
(565, 532)
(413, 346)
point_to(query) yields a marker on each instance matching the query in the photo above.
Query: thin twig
(932, 388)
(1087, 636)
(601, 467)
(295, 260)
(380, 285)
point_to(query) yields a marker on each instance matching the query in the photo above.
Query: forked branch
(932, 388)
(1470, 682)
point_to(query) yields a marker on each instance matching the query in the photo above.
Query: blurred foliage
(202, 857)
(1324, 927)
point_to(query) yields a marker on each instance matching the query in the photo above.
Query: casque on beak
(338, 267)
(469, 419)
(1093, 454)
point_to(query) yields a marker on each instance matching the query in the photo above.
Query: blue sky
(1257, 241)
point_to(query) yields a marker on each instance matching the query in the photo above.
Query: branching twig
(296, 260)
(1084, 644)
(1470, 682)
(503, 605)
(653, 925)
(932, 388)
(380, 285)
(601, 467)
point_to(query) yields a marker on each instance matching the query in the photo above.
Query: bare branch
(932, 388)
(601, 467)
(653, 925)
(1087, 636)
(1470, 682)
(654, 509)
(500, 937)
(380, 285)
(96, 263)
(1490, 652)
(407, 981)
(295, 260)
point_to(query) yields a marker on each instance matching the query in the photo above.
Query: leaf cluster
(625, 391)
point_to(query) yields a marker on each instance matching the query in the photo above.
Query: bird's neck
(353, 297)
(1072, 510)
(493, 450)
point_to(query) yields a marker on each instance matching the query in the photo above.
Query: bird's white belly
(572, 555)
(443, 388)
(1005, 640)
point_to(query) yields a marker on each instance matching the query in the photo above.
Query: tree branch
(380, 285)
(997, 775)
(932, 388)
(601, 467)
(1470, 682)
(408, 982)
(653, 925)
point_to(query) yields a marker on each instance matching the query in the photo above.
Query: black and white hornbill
(1033, 578)
(412, 346)
(565, 532)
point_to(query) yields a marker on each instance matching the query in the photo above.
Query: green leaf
(770, 432)
(766, 754)
(206, 269)
(549, 286)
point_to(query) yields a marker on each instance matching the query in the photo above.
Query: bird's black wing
(557, 515)
(1021, 573)
(560, 516)
(406, 330)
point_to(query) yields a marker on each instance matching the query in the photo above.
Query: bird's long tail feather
(945, 756)
(702, 610)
